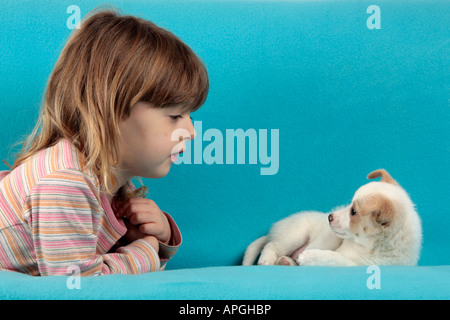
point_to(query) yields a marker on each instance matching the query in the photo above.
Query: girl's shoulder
(62, 161)
(63, 156)
(57, 170)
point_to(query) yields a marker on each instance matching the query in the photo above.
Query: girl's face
(151, 138)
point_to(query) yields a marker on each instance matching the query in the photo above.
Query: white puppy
(379, 227)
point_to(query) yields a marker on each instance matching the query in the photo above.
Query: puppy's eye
(352, 212)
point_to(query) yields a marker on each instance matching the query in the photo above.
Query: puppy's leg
(316, 257)
(325, 240)
(286, 261)
(288, 235)
(281, 246)
(253, 250)
(269, 254)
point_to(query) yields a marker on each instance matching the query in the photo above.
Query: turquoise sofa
(325, 91)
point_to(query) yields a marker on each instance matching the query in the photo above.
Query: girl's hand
(144, 218)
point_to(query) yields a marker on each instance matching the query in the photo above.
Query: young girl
(119, 90)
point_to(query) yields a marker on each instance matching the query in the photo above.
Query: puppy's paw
(311, 257)
(285, 261)
(268, 257)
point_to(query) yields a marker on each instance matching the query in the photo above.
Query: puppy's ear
(380, 208)
(385, 176)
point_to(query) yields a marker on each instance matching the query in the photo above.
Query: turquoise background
(346, 101)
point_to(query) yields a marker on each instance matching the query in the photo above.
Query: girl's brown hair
(106, 67)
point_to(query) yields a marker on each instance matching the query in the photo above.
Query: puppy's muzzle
(330, 217)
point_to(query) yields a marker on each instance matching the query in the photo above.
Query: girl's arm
(68, 229)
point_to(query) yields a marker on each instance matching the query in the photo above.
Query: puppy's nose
(330, 217)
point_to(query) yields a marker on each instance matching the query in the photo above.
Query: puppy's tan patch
(371, 213)
(380, 208)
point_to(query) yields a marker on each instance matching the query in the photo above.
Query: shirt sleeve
(167, 251)
(63, 211)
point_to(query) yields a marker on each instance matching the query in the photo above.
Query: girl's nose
(187, 133)
(191, 130)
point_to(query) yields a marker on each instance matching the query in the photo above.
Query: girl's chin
(159, 172)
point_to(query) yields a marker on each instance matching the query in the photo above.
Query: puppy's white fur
(379, 227)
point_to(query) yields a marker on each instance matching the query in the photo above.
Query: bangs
(173, 75)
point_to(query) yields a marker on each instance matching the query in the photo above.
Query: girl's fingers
(146, 216)
(136, 218)
(134, 205)
(149, 228)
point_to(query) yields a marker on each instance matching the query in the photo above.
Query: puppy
(379, 227)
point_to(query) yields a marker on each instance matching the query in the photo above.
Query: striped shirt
(53, 217)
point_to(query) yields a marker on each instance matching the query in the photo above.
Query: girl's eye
(178, 116)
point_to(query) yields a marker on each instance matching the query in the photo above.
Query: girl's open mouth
(174, 156)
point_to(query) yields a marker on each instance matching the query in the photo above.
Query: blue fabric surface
(227, 283)
(346, 100)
